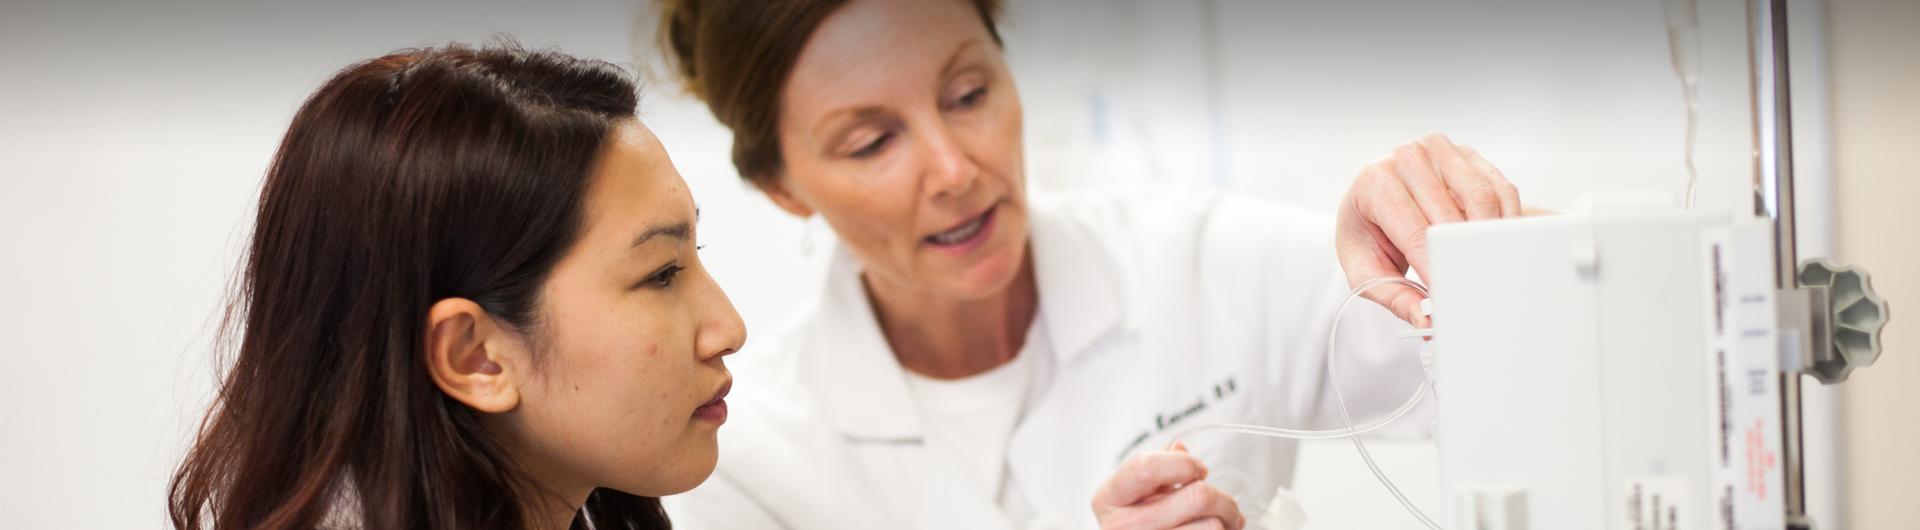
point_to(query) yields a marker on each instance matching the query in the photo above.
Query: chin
(994, 273)
(680, 474)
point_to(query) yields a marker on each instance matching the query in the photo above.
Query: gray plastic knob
(1856, 315)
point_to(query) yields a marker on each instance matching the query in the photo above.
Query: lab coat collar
(1078, 291)
(863, 385)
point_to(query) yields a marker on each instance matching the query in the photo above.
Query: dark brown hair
(414, 177)
(736, 55)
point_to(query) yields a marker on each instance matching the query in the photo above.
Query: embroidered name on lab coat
(1166, 421)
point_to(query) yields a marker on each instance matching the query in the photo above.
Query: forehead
(875, 47)
(633, 184)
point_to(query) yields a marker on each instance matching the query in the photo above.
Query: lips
(967, 233)
(715, 410)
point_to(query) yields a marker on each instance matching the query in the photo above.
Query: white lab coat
(1163, 312)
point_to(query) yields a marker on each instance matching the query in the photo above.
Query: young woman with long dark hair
(472, 300)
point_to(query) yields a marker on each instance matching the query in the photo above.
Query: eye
(971, 98)
(873, 147)
(664, 277)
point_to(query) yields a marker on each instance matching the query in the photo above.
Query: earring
(806, 236)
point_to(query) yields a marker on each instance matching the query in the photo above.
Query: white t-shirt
(973, 418)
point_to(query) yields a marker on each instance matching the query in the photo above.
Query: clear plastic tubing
(1683, 38)
(1351, 431)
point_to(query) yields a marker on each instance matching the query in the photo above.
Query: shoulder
(772, 426)
(769, 392)
(773, 397)
(774, 450)
(1211, 230)
(1179, 214)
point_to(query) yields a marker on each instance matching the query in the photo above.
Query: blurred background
(133, 137)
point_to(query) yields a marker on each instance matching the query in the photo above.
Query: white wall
(133, 137)
(1876, 76)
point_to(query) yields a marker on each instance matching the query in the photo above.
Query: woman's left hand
(1164, 490)
(1383, 220)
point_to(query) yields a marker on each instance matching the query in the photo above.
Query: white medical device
(1635, 365)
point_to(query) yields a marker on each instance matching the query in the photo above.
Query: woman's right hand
(1162, 490)
(1381, 228)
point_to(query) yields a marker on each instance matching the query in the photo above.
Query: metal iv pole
(1829, 317)
(1773, 193)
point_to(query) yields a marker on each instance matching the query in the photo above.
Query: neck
(556, 496)
(552, 512)
(951, 339)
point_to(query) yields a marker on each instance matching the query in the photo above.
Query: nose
(950, 172)
(721, 331)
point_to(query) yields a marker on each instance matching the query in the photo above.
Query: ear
(471, 357)
(776, 189)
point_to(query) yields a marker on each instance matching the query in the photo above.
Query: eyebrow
(681, 231)
(954, 58)
(859, 114)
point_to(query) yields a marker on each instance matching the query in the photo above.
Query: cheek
(609, 360)
(1010, 134)
(639, 401)
(647, 390)
(869, 216)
